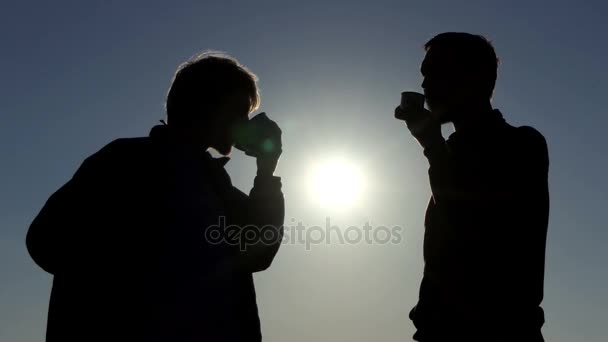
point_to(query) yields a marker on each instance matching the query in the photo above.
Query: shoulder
(122, 145)
(124, 148)
(532, 145)
(121, 151)
(530, 135)
(531, 139)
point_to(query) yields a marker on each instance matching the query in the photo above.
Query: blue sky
(76, 75)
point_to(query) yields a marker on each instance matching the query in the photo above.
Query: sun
(336, 183)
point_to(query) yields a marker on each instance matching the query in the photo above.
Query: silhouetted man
(149, 241)
(486, 222)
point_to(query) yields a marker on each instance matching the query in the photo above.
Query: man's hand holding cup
(423, 126)
(260, 137)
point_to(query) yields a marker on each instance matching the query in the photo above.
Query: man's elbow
(264, 258)
(261, 266)
(37, 249)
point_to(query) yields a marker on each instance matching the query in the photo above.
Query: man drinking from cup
(486, 222)
(136, 240)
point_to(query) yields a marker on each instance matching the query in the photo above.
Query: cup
(411, 103)
(411, 100)
(254, 136)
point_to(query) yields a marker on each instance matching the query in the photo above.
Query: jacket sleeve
(530, 219)
(261, 222)
(59, 238)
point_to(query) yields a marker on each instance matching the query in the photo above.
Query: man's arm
(528, 218)
(58, 237)
(266, 212)
(259, 218)
(262, 231)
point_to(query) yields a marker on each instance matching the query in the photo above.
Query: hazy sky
(77, 74)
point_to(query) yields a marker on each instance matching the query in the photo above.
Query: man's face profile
(231, 112)
(444, 84)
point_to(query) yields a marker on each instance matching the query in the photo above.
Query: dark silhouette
(486, 222)
(137, 240)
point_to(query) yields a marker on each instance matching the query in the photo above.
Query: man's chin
(226, 152)
(445, 118)
(223, 150)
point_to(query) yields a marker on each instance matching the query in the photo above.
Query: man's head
(459, 71)
(210, 95)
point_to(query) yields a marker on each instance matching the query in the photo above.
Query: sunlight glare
(336, 183)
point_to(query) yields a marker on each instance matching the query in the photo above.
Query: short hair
(202, 82)
(472, 53)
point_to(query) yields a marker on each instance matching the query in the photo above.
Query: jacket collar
(485, 125)
(161, 133)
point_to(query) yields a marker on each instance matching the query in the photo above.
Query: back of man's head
(466, 55)
(202, 83)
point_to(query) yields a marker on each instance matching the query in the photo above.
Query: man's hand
(423, 126)
(261, 138)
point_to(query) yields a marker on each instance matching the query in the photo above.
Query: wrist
(431, 139)
(435, 149)
(263, 172)
(266, 166)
